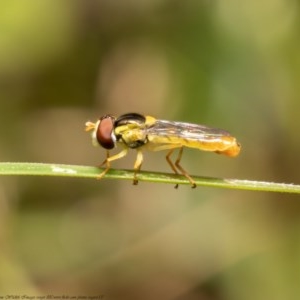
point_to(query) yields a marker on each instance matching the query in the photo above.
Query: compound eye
(104, 133)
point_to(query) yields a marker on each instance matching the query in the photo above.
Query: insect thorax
(133, 138)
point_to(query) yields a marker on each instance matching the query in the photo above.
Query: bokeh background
(229, 64)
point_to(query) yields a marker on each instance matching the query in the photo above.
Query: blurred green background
(229, 64)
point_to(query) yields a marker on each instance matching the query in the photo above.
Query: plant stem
(41, 169)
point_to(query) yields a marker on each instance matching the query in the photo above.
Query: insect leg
(175, 167)
(171, 164)
(104, 162)
(137, 166)
(182, 170)
(110, 159)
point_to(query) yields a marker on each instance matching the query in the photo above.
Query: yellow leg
(104, 162)
(171, 164)
(137, 166)
(179, 167)
(109, 159)
(182, 170)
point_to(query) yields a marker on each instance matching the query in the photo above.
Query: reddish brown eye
(104, 134)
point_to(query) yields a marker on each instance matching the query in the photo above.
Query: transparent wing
(163, 135)
(163, 128)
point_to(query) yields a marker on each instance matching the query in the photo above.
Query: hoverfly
(140, 132)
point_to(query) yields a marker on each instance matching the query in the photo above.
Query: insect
(136, 131)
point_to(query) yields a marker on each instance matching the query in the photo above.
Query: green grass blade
(41, 169)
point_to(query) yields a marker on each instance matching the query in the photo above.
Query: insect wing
(164, 135)
(188, 131)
